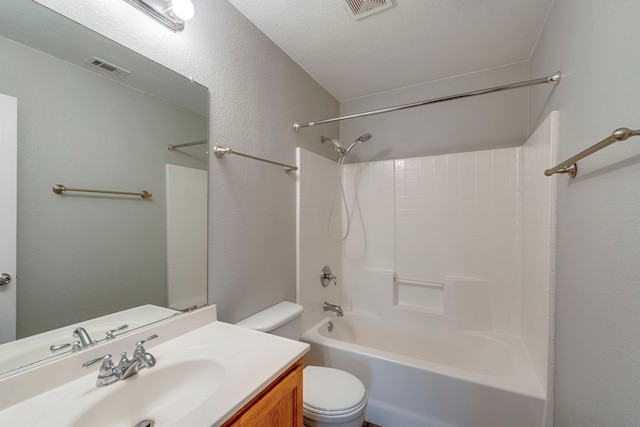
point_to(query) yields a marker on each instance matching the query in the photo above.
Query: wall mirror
(93, 114)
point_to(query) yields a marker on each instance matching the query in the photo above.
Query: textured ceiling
(413, 42)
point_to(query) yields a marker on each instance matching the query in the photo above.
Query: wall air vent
(359, 9)
(109, 68)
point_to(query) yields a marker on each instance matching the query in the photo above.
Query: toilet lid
(333, 390)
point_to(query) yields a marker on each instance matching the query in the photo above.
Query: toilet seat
(311, 412)
(329, 392)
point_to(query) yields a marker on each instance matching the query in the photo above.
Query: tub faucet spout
(335, 308)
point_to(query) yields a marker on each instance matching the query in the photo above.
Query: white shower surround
(454, 215)
(484, 218)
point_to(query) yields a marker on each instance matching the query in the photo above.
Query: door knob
(5, 279)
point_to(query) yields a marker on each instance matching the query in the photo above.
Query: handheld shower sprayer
(344, 152)
(359, 140)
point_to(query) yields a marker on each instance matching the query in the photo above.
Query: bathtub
(431, 378)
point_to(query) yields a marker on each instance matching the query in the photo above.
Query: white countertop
(251, 361)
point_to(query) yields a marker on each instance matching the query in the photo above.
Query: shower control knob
(326, 277)
(5, 279)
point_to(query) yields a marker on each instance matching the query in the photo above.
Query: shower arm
(335, 145)
(553, 79)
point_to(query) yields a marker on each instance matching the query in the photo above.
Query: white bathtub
(438, 379)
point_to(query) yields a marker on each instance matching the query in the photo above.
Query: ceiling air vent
(109, 68)
(359, 9)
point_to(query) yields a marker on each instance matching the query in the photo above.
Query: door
(8, 205)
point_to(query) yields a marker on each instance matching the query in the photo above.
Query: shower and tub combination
(430, 377)
(473, 346)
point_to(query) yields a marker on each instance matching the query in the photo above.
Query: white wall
(257, 92)
(595, 44)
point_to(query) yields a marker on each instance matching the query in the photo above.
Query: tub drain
(145, 423)
(330, 326)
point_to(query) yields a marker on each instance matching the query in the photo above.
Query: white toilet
(331, 397)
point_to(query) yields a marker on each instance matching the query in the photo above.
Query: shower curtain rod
(553, 79)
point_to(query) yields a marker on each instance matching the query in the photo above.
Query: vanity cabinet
(279, 404)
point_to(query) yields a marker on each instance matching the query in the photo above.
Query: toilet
(331, 397)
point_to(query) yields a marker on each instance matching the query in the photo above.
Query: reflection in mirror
(83, 256)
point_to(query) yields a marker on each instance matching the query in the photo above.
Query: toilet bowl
(331, 397)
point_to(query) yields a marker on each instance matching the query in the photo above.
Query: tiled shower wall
(437, 217)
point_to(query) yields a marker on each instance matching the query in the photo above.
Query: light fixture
(184, 9)
(170, 13)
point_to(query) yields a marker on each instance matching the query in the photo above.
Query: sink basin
(166, 393)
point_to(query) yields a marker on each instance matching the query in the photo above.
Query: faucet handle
(124, 360)
(152, 337)
(106, 358)
(75, 345)
(110, 332)
(326, 277)
(107, 373)
(139, 348)
(106, 362)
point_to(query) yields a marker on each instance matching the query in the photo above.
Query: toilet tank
(282, 319)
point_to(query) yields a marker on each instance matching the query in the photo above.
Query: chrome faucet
(335, 308)
(110, 373)
(82, 334)
(84, 340)
(140, 360)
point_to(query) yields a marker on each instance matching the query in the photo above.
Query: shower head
(363, 138)
(338, 146)
(360, 139)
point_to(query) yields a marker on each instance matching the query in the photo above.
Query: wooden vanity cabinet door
(278, 405)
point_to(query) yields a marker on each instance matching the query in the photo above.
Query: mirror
(82, 255)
